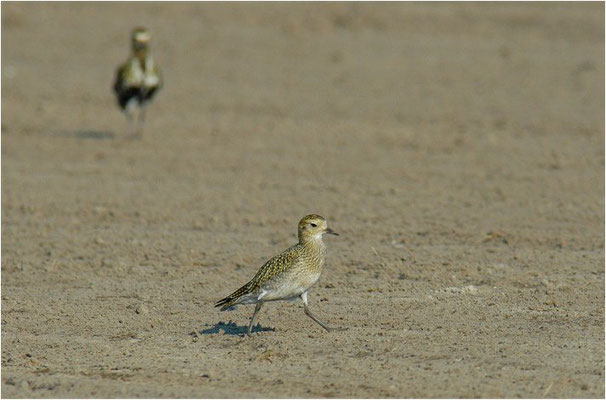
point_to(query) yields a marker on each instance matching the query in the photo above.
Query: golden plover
(137, 80)
(288, 275)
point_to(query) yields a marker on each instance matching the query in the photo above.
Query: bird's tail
(233, 298)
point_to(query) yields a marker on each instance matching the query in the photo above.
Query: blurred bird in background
(137, 81)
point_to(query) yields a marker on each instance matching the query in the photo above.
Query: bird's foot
(336, 329)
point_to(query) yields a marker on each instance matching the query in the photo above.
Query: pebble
(142, 309)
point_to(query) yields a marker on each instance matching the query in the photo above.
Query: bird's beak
(331, 232)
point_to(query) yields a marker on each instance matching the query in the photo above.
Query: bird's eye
(314, 225)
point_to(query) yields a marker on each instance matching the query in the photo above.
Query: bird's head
(140, 39)
(313, 226)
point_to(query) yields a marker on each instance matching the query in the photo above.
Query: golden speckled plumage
(288, 275)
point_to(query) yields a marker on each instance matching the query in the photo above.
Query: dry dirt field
(457, 148)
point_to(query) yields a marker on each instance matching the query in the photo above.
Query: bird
(137, 80)
(289, 275)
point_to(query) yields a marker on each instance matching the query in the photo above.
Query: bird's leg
(252, 320)
(131, 122)
(310, 315)
(140, 121)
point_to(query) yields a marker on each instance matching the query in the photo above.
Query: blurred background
(457, 147)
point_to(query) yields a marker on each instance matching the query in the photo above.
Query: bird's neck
(141, 55)
(313, 242)
(314, 251)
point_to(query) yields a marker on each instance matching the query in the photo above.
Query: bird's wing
(155, 70)
(266, 273)
(119, 82)
(274, 267)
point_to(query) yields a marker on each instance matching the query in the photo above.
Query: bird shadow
(86, 134)
(94, 135)
(231, 328)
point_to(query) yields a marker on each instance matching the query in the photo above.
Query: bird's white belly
(287, 289)
(150, 81)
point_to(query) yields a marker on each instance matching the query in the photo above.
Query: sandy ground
(457, 148)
